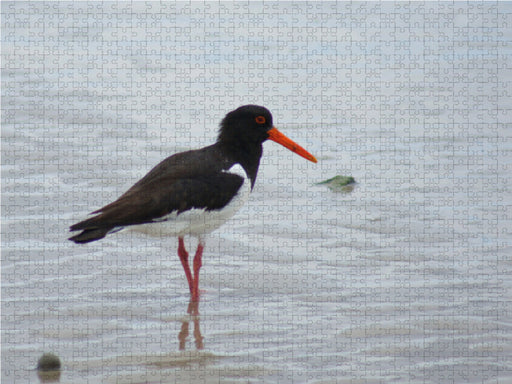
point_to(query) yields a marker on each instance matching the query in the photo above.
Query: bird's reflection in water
(193, 311)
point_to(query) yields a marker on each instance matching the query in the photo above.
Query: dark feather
(90, 235)
(193, 179)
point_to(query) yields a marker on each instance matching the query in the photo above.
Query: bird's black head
(243, 131)
(247, 124)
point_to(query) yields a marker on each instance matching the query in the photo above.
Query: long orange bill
(278, 137)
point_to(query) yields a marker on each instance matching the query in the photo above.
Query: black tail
(88, 235)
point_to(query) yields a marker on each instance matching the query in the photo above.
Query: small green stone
(339, 183)
(48, 362)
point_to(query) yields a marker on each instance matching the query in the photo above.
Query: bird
(193, 193)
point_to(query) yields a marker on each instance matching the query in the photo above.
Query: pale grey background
(405, 279)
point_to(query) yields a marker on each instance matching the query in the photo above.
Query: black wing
(181, 182)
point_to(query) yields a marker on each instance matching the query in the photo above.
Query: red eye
(260, 119)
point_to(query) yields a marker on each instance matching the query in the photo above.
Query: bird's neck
(247, 155)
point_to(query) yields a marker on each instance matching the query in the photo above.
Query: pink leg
(183, 254)
(197, 267)
(193, 308)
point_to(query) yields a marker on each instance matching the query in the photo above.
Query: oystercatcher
(193, 192)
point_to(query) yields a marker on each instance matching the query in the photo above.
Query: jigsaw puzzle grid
(406, 276)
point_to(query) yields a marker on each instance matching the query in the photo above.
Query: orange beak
(278, 137)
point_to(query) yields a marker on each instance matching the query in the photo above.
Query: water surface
(407, 278)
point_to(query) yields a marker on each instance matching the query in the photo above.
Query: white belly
(199, 222)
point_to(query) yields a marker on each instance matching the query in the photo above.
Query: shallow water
(407, 278)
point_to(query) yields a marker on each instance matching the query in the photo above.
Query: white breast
(199, 222)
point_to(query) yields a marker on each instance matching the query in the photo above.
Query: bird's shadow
(193, 311)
